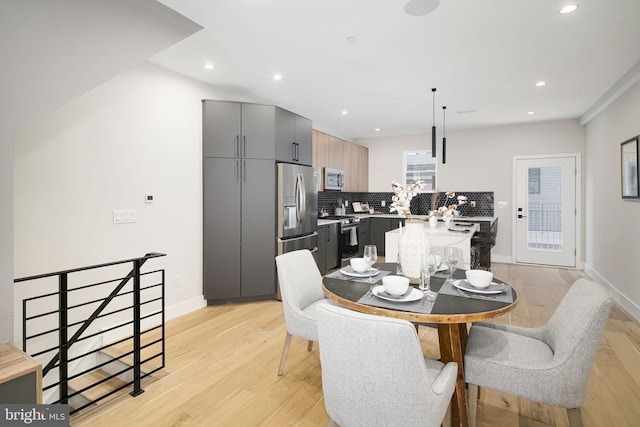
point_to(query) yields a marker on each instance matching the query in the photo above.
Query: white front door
(546, 210)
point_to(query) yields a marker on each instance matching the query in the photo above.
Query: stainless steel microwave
(333, 179)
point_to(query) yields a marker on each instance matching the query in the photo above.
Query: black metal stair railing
(149, 295)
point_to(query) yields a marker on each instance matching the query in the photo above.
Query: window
(534, 180)
(419, 165)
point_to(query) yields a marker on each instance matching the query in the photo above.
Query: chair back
(300, 284)
(574, 331)
(374, 372)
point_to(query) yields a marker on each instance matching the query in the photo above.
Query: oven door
(349, 247)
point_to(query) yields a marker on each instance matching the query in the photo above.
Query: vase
(433, 221)
(412, 245)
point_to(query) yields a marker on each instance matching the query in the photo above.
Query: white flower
(401, 199)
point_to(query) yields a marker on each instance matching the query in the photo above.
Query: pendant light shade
(433, 127)
(444, 135)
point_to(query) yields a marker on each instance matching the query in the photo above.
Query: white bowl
(359, 265)
(395, 285)
(479, 278)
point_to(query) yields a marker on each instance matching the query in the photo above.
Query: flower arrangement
(446, 209)
(401, 199)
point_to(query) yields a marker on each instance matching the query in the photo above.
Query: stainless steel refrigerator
(297, 205)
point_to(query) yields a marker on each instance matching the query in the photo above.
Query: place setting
(478, 284)
(397, 293)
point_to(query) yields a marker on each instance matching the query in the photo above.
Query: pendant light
(433, 128)
(444, 135)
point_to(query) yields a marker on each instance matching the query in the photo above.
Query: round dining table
(450, 311)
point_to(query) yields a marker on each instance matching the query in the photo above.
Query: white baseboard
(184, 307)
(505, 259)
(632, 308)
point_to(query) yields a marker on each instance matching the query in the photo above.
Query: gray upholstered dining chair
(300, 284)
(549, 364)
(374, 372)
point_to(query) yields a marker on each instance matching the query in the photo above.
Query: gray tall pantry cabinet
(241, 144)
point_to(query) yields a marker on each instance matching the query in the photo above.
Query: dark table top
(446, 309)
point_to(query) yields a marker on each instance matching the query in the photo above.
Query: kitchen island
(439, 237)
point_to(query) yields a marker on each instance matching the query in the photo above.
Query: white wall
(613, 225)
(139, 132)
(6, 239)
(477, 160)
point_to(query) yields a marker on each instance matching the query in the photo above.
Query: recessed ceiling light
(531, 113)
(541, 83)
(345, 112)
(277, 76)
(209, 66)
(569, 8)
(352, 40)
(377, 129)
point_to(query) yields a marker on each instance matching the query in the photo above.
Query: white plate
(493, 288)
(348, 271)
(414, 295)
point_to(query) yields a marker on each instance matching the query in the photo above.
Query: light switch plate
(124, 216)
(503, 204)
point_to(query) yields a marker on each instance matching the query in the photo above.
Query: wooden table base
(453, 340)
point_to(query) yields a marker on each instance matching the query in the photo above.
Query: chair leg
(446, 421)
(473, 404)
(310, 345)
(575, 417)
(285, 350)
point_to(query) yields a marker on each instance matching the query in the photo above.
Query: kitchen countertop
(459, 218)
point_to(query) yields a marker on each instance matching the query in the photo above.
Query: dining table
(454, 307)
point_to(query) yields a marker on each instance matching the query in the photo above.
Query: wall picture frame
(629, 173)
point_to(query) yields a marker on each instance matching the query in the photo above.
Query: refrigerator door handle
(315, 233)
(301, 199)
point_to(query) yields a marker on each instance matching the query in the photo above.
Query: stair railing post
(63, 370)
(137, 371)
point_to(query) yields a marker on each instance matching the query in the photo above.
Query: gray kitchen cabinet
(293, 138)
(328, 255)
(379, 226)
(238, 130)
(239, 229)
(364, 234)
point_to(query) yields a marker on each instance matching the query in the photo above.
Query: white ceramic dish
(395, 285)
(414, 295)
(348, 271)
(359, 265)
(493, 288)
(481, 279)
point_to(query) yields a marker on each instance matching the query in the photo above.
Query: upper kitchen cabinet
(336, 153)
(237, 130)
(320, 155)
(293, 140)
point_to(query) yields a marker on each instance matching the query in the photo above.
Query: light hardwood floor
(222, 363)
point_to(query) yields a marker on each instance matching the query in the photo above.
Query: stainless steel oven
(349, 246)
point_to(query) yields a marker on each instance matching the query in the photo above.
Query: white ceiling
(483, 56)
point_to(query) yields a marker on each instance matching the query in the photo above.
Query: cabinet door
(332, 256)
(258, 227)
(303, 139)
(364, 169)
(221, 128)
(221, 243)
(321, 254)
(321, 155)
(352, 167)
(336, 153)
(258, 131)
(285, 139)
(364, 233)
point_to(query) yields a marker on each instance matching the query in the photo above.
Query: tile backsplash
(420, 205)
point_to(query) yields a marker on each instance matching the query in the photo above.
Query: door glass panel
(544, 229)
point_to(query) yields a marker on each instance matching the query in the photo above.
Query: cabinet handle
(244, 171)
(297, 152)
(244, 145)
(237, 145)
(293, 151)
(237, 170)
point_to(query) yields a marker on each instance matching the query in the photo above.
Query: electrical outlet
(503, 204)
(383, 203)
